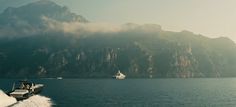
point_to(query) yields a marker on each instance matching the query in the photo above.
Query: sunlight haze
(212, 18)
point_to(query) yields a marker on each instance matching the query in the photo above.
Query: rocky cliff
(43, 39)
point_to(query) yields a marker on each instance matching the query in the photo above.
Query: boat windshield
(23, 85)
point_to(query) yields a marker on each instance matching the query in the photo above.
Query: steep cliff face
(101, 56)
(35, 42)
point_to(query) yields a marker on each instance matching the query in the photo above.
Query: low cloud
(78, 27)
(23, 28)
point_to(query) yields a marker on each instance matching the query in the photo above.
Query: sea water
(199, 92)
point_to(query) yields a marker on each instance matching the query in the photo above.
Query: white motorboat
(59, 78)
(119, 75)
(25, 89)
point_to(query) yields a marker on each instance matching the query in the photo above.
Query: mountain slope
(139, 51)
(34, 18)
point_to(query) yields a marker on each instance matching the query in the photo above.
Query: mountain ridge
(60, 45)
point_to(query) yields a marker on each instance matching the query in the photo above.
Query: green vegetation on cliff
(137, 50)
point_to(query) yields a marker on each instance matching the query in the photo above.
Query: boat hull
(119, 78)
(37, 90)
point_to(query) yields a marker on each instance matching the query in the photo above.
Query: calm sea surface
(137, 92)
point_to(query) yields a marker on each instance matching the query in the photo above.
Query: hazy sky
(211, 18)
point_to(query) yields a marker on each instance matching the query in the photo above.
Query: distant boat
(150, 76)
(119, 75)
(59, 78)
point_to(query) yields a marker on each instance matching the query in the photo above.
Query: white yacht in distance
(59, 78)
(119, 75)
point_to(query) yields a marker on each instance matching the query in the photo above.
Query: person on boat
(27, 86)
(22, 86)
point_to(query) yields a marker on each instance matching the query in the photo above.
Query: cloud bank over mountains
(46, 17)
(47, 40)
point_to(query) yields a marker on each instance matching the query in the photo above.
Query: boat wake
(6, 100)
(33, 101)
